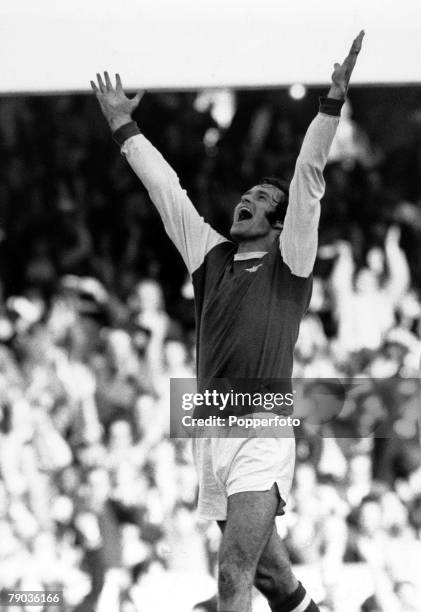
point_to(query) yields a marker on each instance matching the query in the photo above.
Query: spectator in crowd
(96, 499)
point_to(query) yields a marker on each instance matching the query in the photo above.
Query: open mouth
(244, 214)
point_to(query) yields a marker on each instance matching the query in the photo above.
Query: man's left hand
(342, 72)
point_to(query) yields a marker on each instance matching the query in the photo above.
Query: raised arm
(298, 240)
(399, 274)
(192, 236)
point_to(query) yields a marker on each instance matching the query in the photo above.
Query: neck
(257, 244)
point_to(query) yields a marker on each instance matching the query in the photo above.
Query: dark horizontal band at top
(328, 106)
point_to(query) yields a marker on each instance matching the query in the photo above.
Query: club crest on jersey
(254, 268)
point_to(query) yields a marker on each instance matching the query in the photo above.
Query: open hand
(115, 105)
(342, 72)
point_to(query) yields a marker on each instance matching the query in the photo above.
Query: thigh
(212, 500)
(255, 465)
(248, 527)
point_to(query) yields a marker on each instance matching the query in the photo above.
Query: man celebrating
(251, 295)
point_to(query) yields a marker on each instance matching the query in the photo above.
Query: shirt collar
(249, 255)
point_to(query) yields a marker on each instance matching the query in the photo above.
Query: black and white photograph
(210, 306)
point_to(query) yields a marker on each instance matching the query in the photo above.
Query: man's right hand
(115, 105)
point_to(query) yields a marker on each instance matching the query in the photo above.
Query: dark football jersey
(248, 315)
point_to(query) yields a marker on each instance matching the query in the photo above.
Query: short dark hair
(283, 186)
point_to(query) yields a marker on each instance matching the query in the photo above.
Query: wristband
(330, 106)
(124, 132)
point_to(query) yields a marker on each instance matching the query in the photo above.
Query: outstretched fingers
(113, 97)
(118, 83)
(137, 98)
(351, 58)
(356, 45)
(101, 85)
(108, 83)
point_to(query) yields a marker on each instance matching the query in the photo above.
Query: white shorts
(235, 465)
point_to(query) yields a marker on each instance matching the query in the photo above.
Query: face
(119, 345)
(250, 215)
(99, 486)
(120, 435)
(366, 281)
(175, 353)
(370, 517)
(359, 470)
(148, 296)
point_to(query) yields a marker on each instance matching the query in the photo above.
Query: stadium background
(96, 315)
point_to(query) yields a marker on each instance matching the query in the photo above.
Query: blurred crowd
(97, 314)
